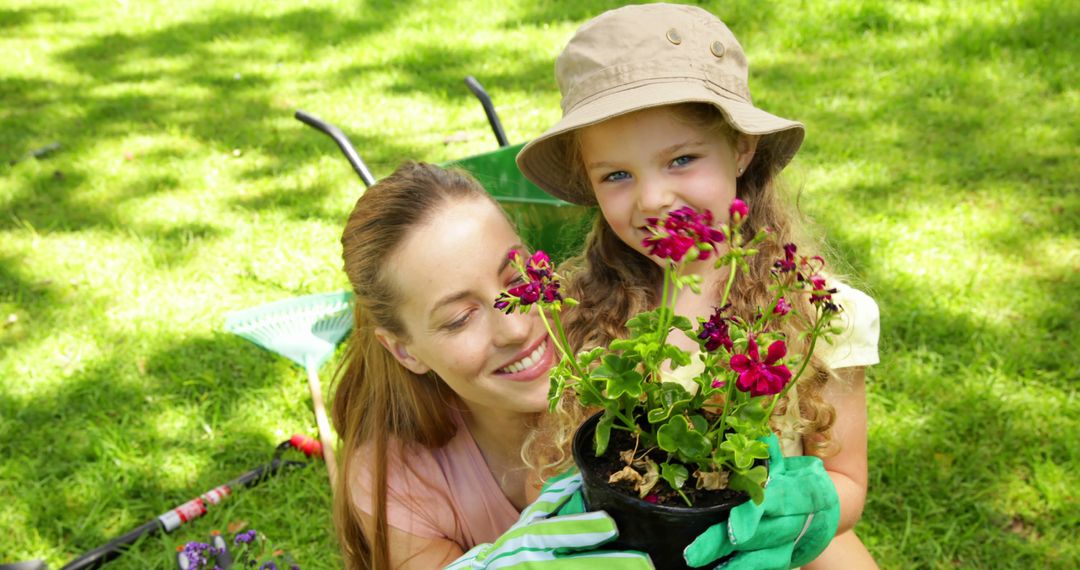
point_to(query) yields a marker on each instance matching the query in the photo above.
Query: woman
(438, 389)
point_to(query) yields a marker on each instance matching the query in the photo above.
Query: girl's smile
(646, 163)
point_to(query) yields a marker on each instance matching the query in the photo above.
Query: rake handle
(323, 424)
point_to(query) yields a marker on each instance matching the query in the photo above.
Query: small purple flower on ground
(761, 377)
(195, 552)
(271, 565)
(715, 330)
(245, 537)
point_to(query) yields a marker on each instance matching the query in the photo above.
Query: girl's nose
(655, 196)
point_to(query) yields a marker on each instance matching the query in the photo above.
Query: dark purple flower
(246, 537)
(542, 283)
(715, 330)
(782, 307)
(270, 565)
(738, 210)
(681, 230)
(788, 263)
(821, 294)
(761, 377)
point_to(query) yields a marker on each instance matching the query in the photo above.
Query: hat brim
(545, 159)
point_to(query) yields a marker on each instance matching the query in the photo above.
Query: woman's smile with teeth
(526, 362)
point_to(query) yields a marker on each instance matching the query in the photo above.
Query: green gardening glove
(544, 540)
(791, 527)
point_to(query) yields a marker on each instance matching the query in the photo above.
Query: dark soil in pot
(663, 529)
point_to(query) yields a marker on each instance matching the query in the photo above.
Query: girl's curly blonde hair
(612, 282)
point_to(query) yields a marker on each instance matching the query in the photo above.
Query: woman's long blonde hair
(377, 400)
(613, 282)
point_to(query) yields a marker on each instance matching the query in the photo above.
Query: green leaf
(603, 432)
(677, 437)
(646, 322)
(621, 377)
(675, 474)
(751, 481)
(585, 358)
(744, 450)
(672, 399)
(678, 356)
(682, 323)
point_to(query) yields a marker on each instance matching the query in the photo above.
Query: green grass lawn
(941, 162)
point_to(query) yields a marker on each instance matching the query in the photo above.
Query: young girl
(438, 389)
(657, 115)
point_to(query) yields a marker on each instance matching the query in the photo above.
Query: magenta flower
(542, 283)
(782, 307)
(715, 330)
(681, 230)
(718, 383)
(539, 266)
(738, 210)
(761, 377)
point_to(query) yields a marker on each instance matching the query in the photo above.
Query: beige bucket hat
(637, 57)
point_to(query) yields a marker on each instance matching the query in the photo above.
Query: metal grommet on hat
(717, 48)
(674, 37)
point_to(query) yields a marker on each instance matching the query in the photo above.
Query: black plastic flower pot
(662, 531)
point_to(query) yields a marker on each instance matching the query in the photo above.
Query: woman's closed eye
(458, 322)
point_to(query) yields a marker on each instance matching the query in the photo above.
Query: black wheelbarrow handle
(343, 143)
(353, 157)
(489, 110)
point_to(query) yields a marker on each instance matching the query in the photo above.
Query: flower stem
(802, 366)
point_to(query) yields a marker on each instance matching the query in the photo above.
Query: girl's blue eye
(616, 176)
(683, 160)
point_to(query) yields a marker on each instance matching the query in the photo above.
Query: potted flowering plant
(677, 429)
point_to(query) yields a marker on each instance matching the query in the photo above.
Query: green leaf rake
(305, 330)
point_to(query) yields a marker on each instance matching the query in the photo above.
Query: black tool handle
(194, 508)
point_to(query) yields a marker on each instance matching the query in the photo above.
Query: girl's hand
(791, 527)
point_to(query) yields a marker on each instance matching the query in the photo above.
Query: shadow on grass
(139, 434)
(11, 19)
(200, 78)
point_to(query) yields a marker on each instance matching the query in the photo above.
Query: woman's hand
(543, 540)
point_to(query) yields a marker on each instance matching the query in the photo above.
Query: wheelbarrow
(544, 222)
